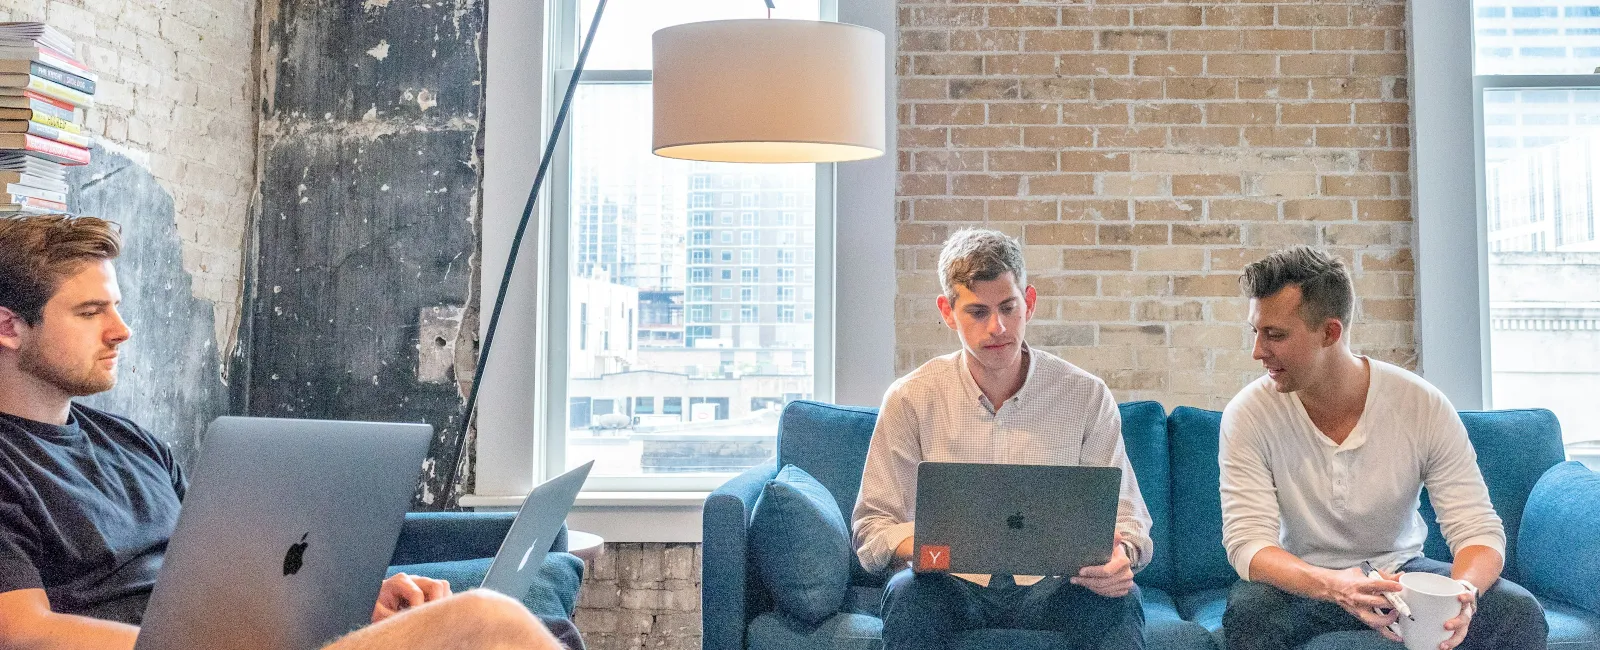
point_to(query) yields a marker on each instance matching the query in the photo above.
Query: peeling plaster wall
(369, 179)
(176, 128)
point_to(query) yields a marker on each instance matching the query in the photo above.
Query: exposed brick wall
(642, 596)
(1145, 152)
(175, 95)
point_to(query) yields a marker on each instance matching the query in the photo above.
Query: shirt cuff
(886, 541)
(1246, 553)
(1495, 542)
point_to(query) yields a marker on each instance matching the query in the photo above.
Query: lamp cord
(516, 245)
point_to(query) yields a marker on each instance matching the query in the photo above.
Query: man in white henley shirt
(1322, 463)
(996, 401)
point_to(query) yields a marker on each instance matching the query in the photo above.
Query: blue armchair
(1186, 585)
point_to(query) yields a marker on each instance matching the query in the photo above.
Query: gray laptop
(285, 534)
(1014, 519)
(516, 565)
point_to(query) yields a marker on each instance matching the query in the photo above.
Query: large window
(690, 403)
(1539, 108)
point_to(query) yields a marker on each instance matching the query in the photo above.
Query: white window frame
(1447, 149)
(510, 434)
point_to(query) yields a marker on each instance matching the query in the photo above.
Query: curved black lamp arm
(516, 245)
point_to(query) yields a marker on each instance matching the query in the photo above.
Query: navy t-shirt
(85, 511)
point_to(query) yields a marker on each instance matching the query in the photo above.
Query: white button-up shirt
(1062, 415)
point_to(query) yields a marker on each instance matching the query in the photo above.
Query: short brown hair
(38, 253)
(977, 255)
(1325, 287)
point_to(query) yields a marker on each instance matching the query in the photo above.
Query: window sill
(635, 517)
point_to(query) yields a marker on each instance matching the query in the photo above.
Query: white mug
(1433, 601)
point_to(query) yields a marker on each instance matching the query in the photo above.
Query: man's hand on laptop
(401, 592)
(1114, 579)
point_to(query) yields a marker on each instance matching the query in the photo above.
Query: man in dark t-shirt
(88, 499)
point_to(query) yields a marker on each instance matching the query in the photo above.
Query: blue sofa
(1186, 585)
(458, 546)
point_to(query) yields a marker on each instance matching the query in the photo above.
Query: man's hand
(1114, 579)
(1363, 597)
(401, 592)
(904, 553)
(1458, 625)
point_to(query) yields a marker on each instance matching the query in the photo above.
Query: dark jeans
(1262, 617)
(927, 611)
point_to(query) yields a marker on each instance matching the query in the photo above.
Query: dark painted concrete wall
(170, 380)
(368, 198)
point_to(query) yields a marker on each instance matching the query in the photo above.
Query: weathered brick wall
(642, 596)
(1145, 152)
(175, 95)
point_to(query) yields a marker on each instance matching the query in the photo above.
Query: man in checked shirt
(996, 401)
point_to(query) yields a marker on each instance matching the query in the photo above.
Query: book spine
(49, 56)
(53, 149)
(64, 109)
(34, 201)
(59, 135)
(67, 79)
(37, 193)
(50, 88)
(55, 122)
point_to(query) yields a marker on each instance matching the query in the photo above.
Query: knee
(1515, 607)
(1251, 605)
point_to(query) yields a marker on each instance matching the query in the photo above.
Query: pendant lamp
(769, 91)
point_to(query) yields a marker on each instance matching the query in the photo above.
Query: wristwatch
(1471, 589)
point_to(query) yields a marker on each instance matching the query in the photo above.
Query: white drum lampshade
(769, 91)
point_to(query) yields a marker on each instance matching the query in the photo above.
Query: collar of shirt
(1358, 434)
(970, 385)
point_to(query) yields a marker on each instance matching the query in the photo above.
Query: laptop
(285, 534)
(1014, 519)
(516, 565)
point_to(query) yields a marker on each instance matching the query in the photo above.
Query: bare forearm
(1479, 565)
(65, 632)
(1282, 569)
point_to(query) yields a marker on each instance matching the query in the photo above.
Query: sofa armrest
(451, 536)
(725, 563)
(1558, 544)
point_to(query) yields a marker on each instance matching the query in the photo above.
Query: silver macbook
(1014, 519)
(516, 565)
(285, 534)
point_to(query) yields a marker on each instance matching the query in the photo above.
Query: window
(788, 219)
(786, 275)
(786, 313)
(786, 257)
(786, 294)
(651, 250)
(747, 294)
(786, 238)
(1541, 208)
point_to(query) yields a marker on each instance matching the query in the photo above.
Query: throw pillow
(801, 545)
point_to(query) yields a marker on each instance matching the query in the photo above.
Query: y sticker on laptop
(934, 557)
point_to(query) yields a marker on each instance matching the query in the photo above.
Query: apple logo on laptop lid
(295, 558)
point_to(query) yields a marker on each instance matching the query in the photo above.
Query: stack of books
(44, 91)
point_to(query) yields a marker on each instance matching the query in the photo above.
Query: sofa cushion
(1514, 449)
(1560, 536)
(844, 631)
(801, 546)
(1164, 628)
(553, 595)
(1144, 435)
(1571, 627)
(1200, 561)
(830, 442)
